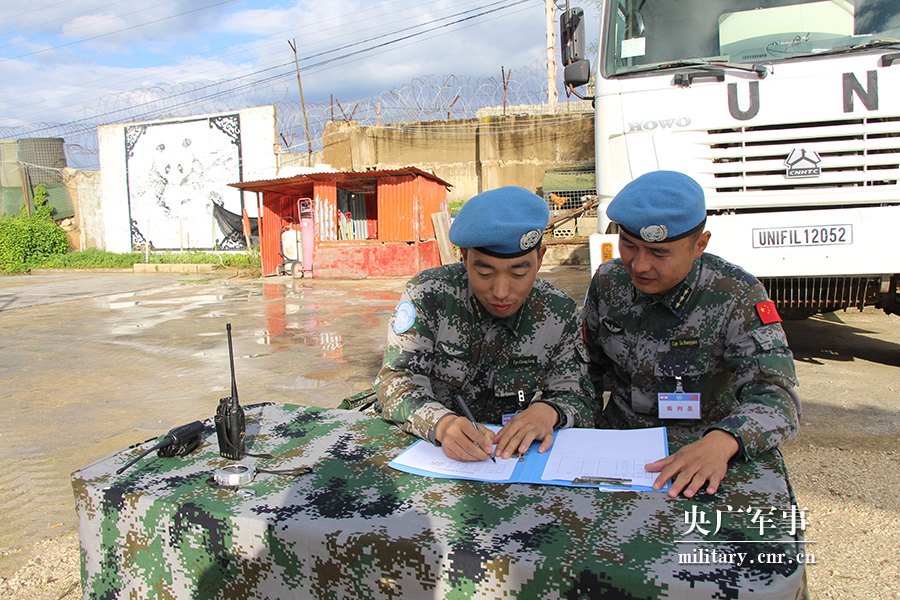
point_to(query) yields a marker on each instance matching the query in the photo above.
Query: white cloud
(60, 79)
(92, 25)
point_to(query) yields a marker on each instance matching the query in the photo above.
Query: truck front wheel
(889, 301)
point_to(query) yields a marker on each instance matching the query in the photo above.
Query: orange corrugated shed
(405, 206)
(325, 209)
(276, 209)
(403, 200)
(433, 199)
(396, 208)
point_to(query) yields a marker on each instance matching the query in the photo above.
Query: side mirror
(578, 73)
(571, 35)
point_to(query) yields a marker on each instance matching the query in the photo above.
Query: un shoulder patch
(404, 316)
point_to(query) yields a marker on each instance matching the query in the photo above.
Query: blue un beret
(661, 206)
(505, 223)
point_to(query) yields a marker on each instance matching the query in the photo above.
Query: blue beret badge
(404, 316)
(654, 233)
(530, 239)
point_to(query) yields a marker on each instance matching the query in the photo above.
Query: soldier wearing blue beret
(505, 223)
(684, 339)
(662, 206)
(487, 329)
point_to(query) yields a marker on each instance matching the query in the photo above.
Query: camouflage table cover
(355, 528)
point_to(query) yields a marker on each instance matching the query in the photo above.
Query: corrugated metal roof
(353, 181)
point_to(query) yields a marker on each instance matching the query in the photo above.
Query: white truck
(787, 112)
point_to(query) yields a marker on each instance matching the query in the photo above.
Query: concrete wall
(473, 154)
(574, 253)
(291, 165)
(160, 178)
(86, 193)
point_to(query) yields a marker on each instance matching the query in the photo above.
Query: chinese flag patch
(767, 312)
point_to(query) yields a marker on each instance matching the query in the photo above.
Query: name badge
(679, 405)
(507, 417)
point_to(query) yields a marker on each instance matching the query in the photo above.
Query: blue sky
(65, 60)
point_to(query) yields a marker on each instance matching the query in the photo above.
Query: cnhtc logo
(801, 163)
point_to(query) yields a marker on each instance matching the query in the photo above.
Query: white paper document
(429, 458)
(613, 457)
(606, 453)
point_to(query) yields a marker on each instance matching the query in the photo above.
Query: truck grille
(822, 293)
(853, 153)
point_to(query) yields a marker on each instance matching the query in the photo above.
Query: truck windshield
(644, 34)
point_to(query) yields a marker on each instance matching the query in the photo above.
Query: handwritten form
(621, 454)
(607, 453)
(430, 459)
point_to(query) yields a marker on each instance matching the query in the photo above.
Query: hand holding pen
(468, 413)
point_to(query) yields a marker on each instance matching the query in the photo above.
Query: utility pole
(504, 78)
(293, 45)
(552, 93)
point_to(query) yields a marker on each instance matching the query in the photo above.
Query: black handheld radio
(230, 417)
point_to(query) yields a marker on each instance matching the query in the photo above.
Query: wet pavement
(92, 363)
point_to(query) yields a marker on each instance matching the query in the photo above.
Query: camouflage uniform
(707, 331)
(498, 365)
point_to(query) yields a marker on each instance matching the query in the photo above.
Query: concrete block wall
(473, 154)
(85, 190)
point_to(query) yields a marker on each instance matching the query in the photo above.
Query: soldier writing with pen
(489, 331)
(683, 339)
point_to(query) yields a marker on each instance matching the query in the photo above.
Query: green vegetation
(455, 206)
(99, 259)
(88, 259)
(29, 238)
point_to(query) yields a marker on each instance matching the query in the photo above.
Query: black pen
(465, 409)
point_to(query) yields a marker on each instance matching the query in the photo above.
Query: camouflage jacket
(453, 345)
(707, 330)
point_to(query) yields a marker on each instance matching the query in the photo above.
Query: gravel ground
(52, 574)
(854, 521)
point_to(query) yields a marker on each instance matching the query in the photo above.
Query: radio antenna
(234, 393)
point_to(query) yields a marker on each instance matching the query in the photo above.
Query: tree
(25, 238)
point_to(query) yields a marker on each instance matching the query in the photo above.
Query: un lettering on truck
(788, 115)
